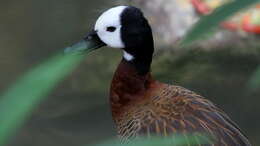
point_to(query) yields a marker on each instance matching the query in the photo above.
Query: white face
(108, 27)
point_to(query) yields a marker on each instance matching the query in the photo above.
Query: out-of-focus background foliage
(32, 30)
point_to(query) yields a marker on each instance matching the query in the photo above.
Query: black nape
(137, 36)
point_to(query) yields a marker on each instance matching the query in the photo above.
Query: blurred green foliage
(254, 81)
(174, 140)
(20, 100)
(207, 23)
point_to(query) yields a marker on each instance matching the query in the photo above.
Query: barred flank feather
(146, 107)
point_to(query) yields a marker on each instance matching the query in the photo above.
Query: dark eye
(111, 28)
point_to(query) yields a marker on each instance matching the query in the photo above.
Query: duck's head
(121, 27)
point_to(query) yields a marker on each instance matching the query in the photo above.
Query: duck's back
(170, 110)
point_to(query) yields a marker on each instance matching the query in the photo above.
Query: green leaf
(174, 140)
(254, 82)
(208, 23)
(20, 100)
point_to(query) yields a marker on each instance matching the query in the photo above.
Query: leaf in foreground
(175, 140)
(254, 82)
(207, 23)
(19, 101)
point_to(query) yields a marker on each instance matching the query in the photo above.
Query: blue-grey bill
(83, 47)
(90, 42)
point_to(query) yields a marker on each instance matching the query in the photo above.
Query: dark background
(77, 113)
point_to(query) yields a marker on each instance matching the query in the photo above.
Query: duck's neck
(128, 84)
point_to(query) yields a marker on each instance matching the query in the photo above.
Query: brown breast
(144, 107)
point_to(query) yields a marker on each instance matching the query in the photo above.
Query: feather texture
(146, 107)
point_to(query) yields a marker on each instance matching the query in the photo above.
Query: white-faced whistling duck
(143, 106)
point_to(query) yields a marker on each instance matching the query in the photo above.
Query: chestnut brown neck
(127, 86)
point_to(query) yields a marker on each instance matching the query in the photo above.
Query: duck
(140, 105)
